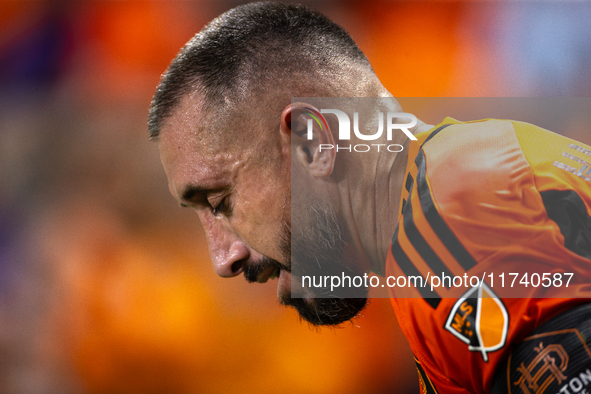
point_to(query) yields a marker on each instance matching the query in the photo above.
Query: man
(458, 200)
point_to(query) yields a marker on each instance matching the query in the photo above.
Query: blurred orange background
(106, 285)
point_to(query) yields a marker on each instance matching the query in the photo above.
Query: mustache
(251, 271)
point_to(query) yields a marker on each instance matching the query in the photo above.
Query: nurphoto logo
(392, 123)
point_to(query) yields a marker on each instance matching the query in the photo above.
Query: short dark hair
(246, 48)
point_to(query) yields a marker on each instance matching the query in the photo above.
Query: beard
(320, 248)
(328, 311)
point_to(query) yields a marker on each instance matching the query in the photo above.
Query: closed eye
(223, 207)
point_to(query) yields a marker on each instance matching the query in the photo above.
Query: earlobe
(312, 142)
(323, 154)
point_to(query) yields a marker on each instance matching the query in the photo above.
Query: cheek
(260, 213)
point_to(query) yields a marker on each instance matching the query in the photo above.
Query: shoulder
(475, 173)
(472, 151)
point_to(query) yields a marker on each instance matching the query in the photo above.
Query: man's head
(223, 120)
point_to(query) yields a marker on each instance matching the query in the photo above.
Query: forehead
(190, 148)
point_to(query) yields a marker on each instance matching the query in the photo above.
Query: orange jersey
(486, 199)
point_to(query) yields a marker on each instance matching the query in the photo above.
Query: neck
(370, 198)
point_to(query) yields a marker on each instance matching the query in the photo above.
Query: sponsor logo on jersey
(480, 320)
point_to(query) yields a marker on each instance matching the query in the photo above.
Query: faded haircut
(248, 49)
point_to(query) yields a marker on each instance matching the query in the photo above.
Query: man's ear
(312, 142)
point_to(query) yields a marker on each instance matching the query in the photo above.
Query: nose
(228, 252)
(229, 261)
